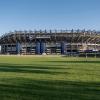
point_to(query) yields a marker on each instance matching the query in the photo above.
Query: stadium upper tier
(69, 36)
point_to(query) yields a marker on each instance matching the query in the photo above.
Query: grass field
(49, 78)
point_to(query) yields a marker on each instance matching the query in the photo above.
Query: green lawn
(49, 78)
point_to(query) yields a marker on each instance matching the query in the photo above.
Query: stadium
(57, 42)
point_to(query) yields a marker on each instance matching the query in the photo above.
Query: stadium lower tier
(48, 48)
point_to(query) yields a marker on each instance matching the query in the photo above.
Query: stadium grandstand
(57, 42)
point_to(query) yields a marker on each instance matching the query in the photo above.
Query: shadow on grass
(27, 89)
(31, 69)
(74, 61)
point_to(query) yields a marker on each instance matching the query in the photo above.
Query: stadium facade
(50, 42)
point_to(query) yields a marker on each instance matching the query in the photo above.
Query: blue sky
(49, 14)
